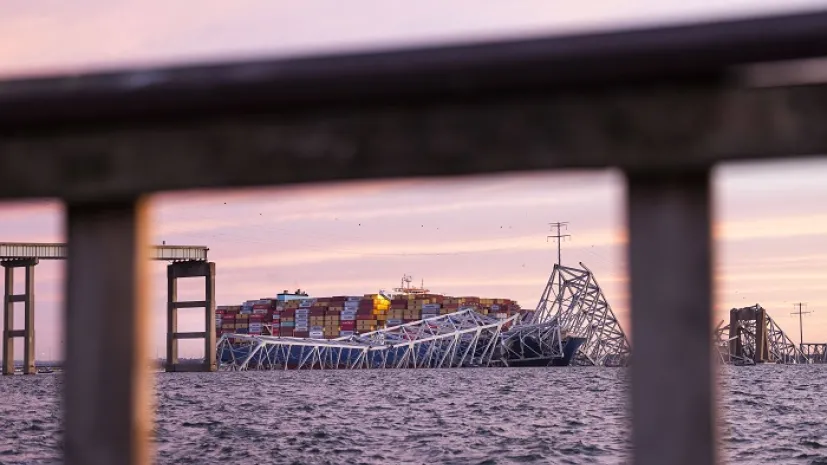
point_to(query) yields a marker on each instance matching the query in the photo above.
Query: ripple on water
(491, 417)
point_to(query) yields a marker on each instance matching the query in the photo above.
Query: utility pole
(559, 237)
(800, 313)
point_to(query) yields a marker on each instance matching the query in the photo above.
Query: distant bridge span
(187, 261)
(55, 251)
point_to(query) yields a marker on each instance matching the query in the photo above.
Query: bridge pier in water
(9, 331)
(187, 260)
(191, 269)
(737, 318)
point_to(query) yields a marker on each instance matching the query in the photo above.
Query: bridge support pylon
(9, 332)
(191, 269)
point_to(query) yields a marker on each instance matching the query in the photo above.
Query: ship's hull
(570, 347)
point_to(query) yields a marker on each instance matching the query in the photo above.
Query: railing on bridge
(663, 104)
(47, 251)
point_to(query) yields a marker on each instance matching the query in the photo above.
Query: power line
(800, 313)
(559, 238)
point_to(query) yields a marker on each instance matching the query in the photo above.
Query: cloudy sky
(475, 236)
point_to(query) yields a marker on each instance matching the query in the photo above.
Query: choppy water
(771, 414)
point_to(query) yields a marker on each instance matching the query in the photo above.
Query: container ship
(299, 315)
(408, 327)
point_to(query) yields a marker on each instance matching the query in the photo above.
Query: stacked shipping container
(332, 317)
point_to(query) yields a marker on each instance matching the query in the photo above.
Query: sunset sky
(472, 236)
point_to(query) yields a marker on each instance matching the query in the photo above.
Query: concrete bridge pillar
(9, 331)
(190, 269)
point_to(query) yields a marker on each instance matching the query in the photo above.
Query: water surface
(769, 414)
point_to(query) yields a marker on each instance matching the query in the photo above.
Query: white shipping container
(317, 328)
(307, 303)
(495, 307)
(431, 307)
(353, 299)
(260, 311)
(345, 333)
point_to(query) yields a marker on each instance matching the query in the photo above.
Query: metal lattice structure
(573, 298)
(754, 337)
(461, 339)
(816, 352)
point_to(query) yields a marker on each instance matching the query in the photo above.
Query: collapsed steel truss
(573, 298)
(754, 337)
(816, 352)
(462, 339)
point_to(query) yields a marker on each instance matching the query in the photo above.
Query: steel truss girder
(461, 339)
(815, 352)
(574, 299)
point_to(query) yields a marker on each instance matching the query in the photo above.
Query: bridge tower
(191, 269)
(9, 331)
